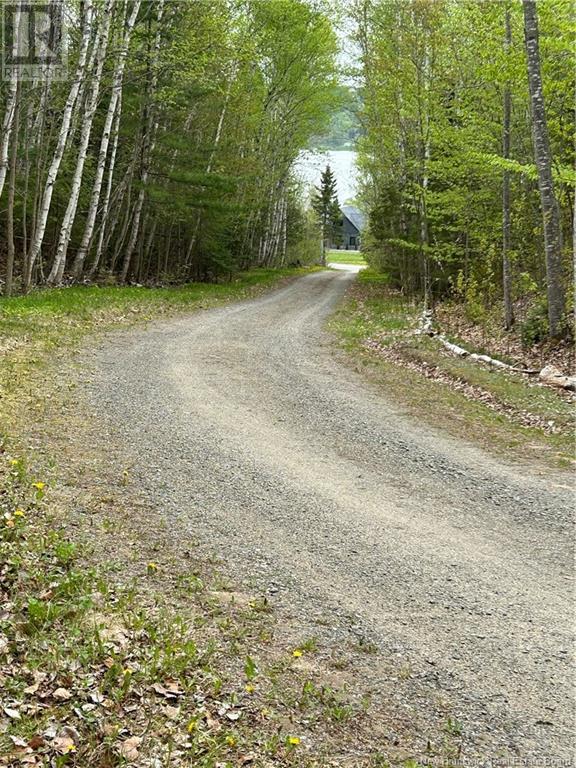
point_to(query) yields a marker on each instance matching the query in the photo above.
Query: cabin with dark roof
(349, 237)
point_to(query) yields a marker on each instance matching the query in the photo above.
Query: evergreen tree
(325, 205)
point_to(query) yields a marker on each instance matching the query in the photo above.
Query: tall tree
(325, 205)
(543, 157)
(54, 168)
(506, 223)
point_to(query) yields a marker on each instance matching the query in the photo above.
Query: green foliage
(326, 207)
(431, 150)
(208, 135)
(535, 326)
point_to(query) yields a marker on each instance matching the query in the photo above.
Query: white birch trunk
(108, 192)
(44, 209)
(8, 122)
(103, 152)
(101, 46)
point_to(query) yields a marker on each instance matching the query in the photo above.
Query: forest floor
(509, 414)
(223, 547)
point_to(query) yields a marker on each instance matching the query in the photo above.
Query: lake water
(310, 165)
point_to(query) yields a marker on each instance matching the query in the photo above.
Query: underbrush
(506, 412)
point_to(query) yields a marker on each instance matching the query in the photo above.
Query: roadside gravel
(363, 527)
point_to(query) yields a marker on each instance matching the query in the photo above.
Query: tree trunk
(46, 201)
(506, 224)
(101, 45)
(543, 158)
(104, 142)
(108, 192)
(11, 197)
(149, 137)
(10, 109)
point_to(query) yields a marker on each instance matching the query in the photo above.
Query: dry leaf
(170, 690)
(12, 713)
(62, 694)
(36, 742)
(172, 712)
(64, 744)
(71, 733)
(129, 748)
(18, 741)
(97, 697)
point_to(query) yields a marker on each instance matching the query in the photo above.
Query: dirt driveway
(355, 520)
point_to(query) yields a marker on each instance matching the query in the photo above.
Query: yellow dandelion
(69, 748)
(151, 568)
(192, 725)
(297, 653)
(14, 462)
(249, 688)
(293, 741)
(230, 741)
(39, 485)
(19, 513)
(128, 671)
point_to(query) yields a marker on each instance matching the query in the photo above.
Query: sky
(310, 165)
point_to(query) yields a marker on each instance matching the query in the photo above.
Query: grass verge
(506, 412)
(345, 257)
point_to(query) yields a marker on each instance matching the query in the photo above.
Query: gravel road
(356, 520)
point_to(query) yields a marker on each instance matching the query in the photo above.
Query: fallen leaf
(233, 715)
(97, 697)
(64, 745)
(172, 712)
(18, 741)
(70, 732)
(129, 748)
(36, 742)
(62, 694)
(12, 713)
(170, 690)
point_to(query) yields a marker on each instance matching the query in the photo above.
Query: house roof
(354, 215)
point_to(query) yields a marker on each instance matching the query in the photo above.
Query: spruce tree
(325, 205)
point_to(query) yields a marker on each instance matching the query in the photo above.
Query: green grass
(373, 311)
(54, 311)
(345, 257)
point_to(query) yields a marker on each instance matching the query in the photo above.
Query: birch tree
(11, 101)
(105, 140)
(46, 199)
(100, 47)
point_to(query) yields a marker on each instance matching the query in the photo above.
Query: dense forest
(467, 151)
(166, 150)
